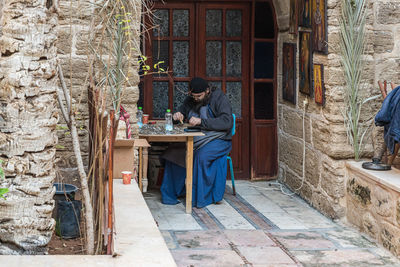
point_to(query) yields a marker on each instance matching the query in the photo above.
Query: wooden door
(215, 40)
(264, 141)
(223, 58)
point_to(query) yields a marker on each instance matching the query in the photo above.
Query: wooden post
(110, 183)
(145, 158)
(143, 146)
(141, 169)
(189, 173)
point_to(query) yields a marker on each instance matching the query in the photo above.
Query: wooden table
(184, 137)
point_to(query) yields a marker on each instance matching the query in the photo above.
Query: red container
(126, 177)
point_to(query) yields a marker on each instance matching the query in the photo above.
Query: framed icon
(304, 13)
(294, 17)
(305, 63)
(289, 72)
(319, 87)
(319, 26)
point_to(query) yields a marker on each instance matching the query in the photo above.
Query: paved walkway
(261, 226)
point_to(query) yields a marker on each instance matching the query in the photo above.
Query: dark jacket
(389, 117)
(221, 111)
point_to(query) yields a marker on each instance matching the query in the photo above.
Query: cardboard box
(124, 157)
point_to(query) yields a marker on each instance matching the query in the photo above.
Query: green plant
(2, 190)
(352, 48)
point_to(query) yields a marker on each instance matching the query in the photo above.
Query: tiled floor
(261, 226)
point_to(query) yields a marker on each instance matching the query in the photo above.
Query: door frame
(253, 163)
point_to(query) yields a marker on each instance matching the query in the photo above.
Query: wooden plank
(140, 168)
(189, 173)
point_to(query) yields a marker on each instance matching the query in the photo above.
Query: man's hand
(178, 117)
(194, 121)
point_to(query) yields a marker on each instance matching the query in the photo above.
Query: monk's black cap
(198, 85)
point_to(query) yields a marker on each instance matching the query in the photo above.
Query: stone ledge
(137, 240)
(390, 179)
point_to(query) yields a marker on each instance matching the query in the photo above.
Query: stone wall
(78, 21)
(28, 118)
(373, 204)
(325, 142)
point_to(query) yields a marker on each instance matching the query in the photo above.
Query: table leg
(189, 173)
(145, 163)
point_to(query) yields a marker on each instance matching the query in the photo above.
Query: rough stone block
(327, 205)
(332, 139)
(389, 237)
(359, 191)
(370, 225)
(383, 41)
(388, 13)
(76, 11)
(332, 177)
(386, 69)
(289, 151)
(383, 202)
(313, 167)
(292, 122)
(64, 41)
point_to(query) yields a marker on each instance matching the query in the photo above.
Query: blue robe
(209, 175)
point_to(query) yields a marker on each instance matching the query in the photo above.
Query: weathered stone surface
(64, 42)
(382, 201)
(359, 191)
(313, 167)
(354, 212)
(327, 205)
(370, 225)
(388, 13)
(289, 151)
(28, 121)
(332, 178)
(332, 139)
(383, 41)
(389, 236)
(386, 69)
(398, 211)
(292, 122)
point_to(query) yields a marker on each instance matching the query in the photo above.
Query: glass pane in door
(160, 53)
(213, 22)
(214, 58)
(160, 99)
(180, 93)
(264, 60)
(234, 59)
(233, 23)
(161, 22)
(264, 101)
(234, 94)
(180, 22)
(180, 53)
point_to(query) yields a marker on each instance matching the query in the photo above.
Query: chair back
(234, 125)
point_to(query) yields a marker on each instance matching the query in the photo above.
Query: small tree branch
(61, 104)
(65, 89)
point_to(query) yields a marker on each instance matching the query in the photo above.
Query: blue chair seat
(229, 159)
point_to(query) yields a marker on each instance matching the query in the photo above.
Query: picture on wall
(319, 26)
(289, 72)
(304, 13)
(319, 87)
(305, 63)
(294, 17)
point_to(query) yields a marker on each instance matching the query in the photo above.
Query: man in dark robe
(210, 110)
